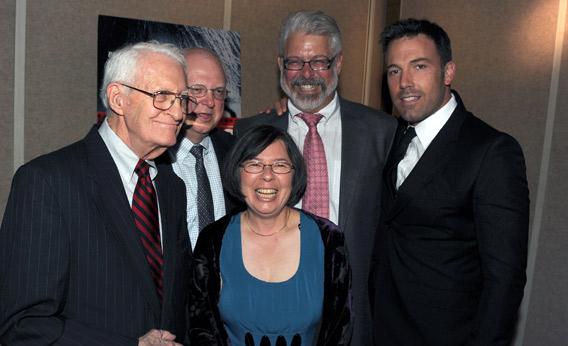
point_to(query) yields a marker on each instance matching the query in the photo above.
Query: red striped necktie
(145, 211)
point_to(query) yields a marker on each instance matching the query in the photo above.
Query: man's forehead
(202, 63)
(411, 48)
(302, 42)
(160, 73)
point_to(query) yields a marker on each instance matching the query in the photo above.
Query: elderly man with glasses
(201, 148)
(93, 245)
(345, 144)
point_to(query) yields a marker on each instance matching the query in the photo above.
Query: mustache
(408, 92)
(299, 81)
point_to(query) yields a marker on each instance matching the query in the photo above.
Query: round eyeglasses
(164, 100)
(200, 90)
(278, 167)
(316, 64)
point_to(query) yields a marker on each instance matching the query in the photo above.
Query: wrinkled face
(267, 193)
(309, 90)
(147, 130)
(205, 69)
(417, 83)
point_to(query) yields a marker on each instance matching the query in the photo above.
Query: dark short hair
(411, 27)
(252, 143)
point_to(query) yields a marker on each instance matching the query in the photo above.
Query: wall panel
(7, 31)
(548, 309)
(503, 52)
(259, 25)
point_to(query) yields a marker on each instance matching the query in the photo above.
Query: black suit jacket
(450, 257)
(72, 268)
(366, 138)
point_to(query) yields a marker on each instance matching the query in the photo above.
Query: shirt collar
(181, 150)
(124, 158)
(428, 128)
(328, 112)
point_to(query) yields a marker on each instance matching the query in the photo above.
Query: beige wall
(259, 21)
(60, 72)
(504, 52)
(7, 32)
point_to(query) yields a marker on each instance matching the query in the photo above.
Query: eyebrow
(414, 61)
(419, 60)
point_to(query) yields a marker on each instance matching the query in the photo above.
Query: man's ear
(338, 62)
(116, 98)
(449, 73)
(280, 62)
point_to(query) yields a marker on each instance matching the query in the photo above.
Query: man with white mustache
(355, 141)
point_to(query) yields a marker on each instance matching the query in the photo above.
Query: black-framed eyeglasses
(317, 64)
(164, 100)
(200, 90)
(278, 167)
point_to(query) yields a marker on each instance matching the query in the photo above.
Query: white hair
(310, 23)
(121, 65)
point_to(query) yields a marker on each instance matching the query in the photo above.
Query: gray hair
(310, 23)
(121, 65)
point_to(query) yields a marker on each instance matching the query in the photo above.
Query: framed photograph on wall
(114, 32)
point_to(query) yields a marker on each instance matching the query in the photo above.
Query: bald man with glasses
(198, 156)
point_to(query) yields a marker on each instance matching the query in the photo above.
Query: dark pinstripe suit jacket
(72, 269)
(366, 138)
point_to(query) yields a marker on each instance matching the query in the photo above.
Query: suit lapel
(111, 202)
(280, 122)
(435, 158)
(169, 231)
(353, 149)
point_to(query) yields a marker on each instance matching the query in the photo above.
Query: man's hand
(158, 337)
(280, 107)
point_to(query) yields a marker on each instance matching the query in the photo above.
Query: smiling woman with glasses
(271, 274)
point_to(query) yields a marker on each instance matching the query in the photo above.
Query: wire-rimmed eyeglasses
(200, 90)
(164, 100)
(278, 167)
(317, 64)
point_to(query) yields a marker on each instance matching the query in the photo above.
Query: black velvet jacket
(206, 325)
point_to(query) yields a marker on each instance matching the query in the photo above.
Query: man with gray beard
(345, 144)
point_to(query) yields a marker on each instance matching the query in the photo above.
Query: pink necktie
(316, 198)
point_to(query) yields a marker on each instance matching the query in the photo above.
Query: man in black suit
(206, 80)
(450, 256)
(356, 140)
(93, 245)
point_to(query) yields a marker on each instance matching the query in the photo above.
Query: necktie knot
(142, 168)
(311, 119)
(409, 134)
(197, 151)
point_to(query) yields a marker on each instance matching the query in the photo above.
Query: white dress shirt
(329, 129)
(183, 163)
(125, 160)
(426, 131)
